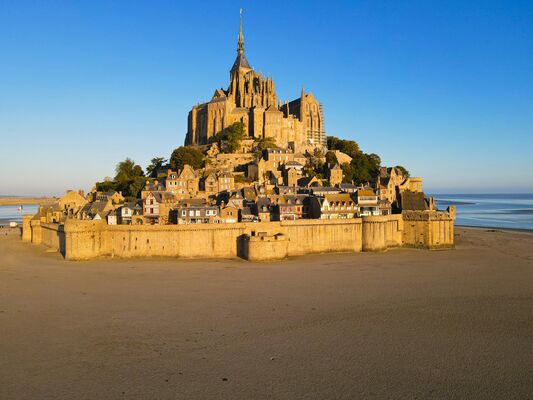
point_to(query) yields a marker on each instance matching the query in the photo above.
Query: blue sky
(444, 88)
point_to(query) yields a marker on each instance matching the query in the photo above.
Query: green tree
(332, 143)
(135, 187)
(126, 170)
(106, 186)
(375, 160)
(263, 144)
(349, 147)
(361, 168)
(234, 135)
(186, 155)
(347, 172)
(155, 164)
(331, 158)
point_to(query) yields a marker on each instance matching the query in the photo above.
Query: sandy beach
(18, 200)
(402, 324)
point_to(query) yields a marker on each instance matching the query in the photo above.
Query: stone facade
(80, 240)
(251, 99)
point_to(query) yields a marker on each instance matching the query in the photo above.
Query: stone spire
(240, 61)
(240, 43)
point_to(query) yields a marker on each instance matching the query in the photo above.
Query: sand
(18, 200)
(403, 324)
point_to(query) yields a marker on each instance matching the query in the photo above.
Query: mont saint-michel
(303, 200)
(257, 179)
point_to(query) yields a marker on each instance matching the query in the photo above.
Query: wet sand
(402, 324)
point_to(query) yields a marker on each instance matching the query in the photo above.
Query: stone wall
(320, 236)
(381, 232)
(52, 235)
(81, 240)
(26, 228)
(428, 229)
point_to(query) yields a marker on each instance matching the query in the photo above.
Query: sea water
(12, 214)
(484, 210)
(490, 210)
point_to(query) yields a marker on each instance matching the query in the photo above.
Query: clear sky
(444, 88)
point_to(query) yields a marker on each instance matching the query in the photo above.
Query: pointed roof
(240, 61)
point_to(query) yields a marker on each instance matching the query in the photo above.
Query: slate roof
(295, 164)
(365, 192)
(347, 186)
(413, 201)
(341, 197)
(320, 189)
(241, 62)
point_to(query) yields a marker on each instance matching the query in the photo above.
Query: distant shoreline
(21, 200)
(523, 230)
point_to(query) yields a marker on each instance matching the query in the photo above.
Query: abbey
(252, 100)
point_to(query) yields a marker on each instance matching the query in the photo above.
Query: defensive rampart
(428, 229)
(81, 240)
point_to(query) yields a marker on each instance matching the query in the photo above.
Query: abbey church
(252, 100)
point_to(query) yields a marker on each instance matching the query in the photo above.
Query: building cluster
(243, 186)
(279, 191)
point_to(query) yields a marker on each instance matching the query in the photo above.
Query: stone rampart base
(265, 248)
(83, 240)
(428, 229)
(26, 228)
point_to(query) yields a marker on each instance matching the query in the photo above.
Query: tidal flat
(404, 323)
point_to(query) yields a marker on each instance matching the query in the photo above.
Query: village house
(125, 213)
(367, 203)
(348, 187)
(152, 187)
(151, 205)
(308, 182)
(228, 214)
(111, 217)
(246, 215)
(414, 201)
(292, 172)
(280, 189)
(333, 206)
(194, 211)
(49, 214)
(324, 190)
(137, 217)
(96, 210)
(288, 208)
(335, 175)
(72, 202)
(215, 183)
(263, 209)
(184, 183)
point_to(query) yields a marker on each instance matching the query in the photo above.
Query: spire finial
(240, 43)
